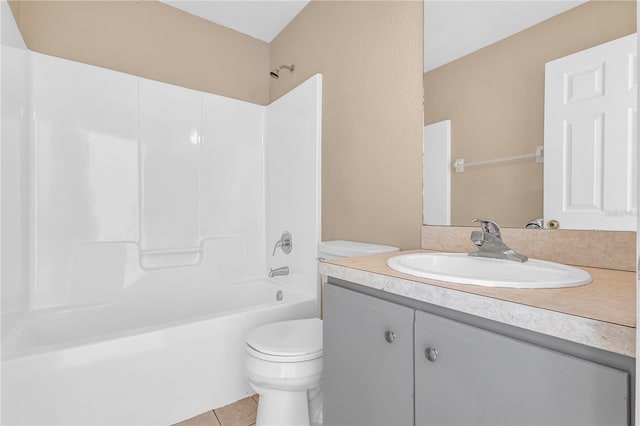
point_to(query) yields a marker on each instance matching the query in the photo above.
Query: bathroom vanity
(402, 350)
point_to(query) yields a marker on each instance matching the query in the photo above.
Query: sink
(462, 269)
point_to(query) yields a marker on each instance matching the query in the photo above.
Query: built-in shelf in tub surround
(601, 314)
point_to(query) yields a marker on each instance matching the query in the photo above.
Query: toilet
(284, 359)
(284, 366)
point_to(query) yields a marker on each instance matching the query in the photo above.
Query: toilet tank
(341, 248)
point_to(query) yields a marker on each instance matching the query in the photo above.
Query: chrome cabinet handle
(431, 354)
(389, 336)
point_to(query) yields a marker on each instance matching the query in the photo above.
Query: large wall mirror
(493, 95)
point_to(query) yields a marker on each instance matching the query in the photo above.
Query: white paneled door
(436, 199)
(590, 172)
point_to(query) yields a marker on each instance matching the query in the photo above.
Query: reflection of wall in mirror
(495, 99)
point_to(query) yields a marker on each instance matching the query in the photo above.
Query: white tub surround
(133, 170)
(600, 314)
(15, 105)
(132, 175)
(143, 217)
(293, 183)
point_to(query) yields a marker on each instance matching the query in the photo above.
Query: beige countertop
(601, 314)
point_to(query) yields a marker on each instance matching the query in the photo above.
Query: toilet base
(316, 404)
(283, 408)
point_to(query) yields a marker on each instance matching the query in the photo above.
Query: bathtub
(153, 357)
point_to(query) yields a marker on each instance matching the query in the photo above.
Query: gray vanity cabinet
(367, 360)
(467, 375)
(389, 360)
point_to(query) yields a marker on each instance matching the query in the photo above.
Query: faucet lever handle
(278, 244)
(285, 243)
(489, 226)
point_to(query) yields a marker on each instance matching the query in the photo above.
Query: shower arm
(275, 73)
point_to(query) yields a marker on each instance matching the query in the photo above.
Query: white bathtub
(152, 358)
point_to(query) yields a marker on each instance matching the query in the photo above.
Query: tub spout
(284, 270)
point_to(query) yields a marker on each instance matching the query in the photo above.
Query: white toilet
(284, 359)
(284, 366)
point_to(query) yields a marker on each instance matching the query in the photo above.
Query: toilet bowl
(284, 367)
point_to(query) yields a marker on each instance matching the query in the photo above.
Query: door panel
(590, 138)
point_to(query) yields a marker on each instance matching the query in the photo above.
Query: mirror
(493, 93)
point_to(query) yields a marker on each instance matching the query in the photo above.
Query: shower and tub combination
(141, 219)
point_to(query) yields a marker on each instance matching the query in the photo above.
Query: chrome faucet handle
(535, 224)
(278, 244)
(489, 243)
(285, 242)
(489, 226)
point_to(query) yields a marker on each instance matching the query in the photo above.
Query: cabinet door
(367, 372)
(482, 378)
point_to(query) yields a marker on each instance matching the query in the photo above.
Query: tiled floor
(240, 413)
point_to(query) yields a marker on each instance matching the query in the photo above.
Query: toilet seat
(287, 341)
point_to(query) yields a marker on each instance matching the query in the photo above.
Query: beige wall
(149, 39)
(495, 99)
(14, 5)
(370, 53)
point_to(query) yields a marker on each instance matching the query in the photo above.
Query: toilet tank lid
(288, 338)
(342, 248)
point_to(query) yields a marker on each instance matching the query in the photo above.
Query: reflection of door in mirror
(590, 138)
(436, 184)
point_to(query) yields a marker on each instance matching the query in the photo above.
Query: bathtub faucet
(284, 270)
(285, 243)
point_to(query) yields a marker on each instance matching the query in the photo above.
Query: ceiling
(261, 19)
(456, 28)
(453, 28)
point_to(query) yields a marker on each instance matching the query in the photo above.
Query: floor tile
(256, 398)
(240, 413)
(204, 419)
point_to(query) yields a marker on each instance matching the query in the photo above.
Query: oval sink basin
(462, 269)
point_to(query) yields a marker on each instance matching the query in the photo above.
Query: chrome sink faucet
(489, 243)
